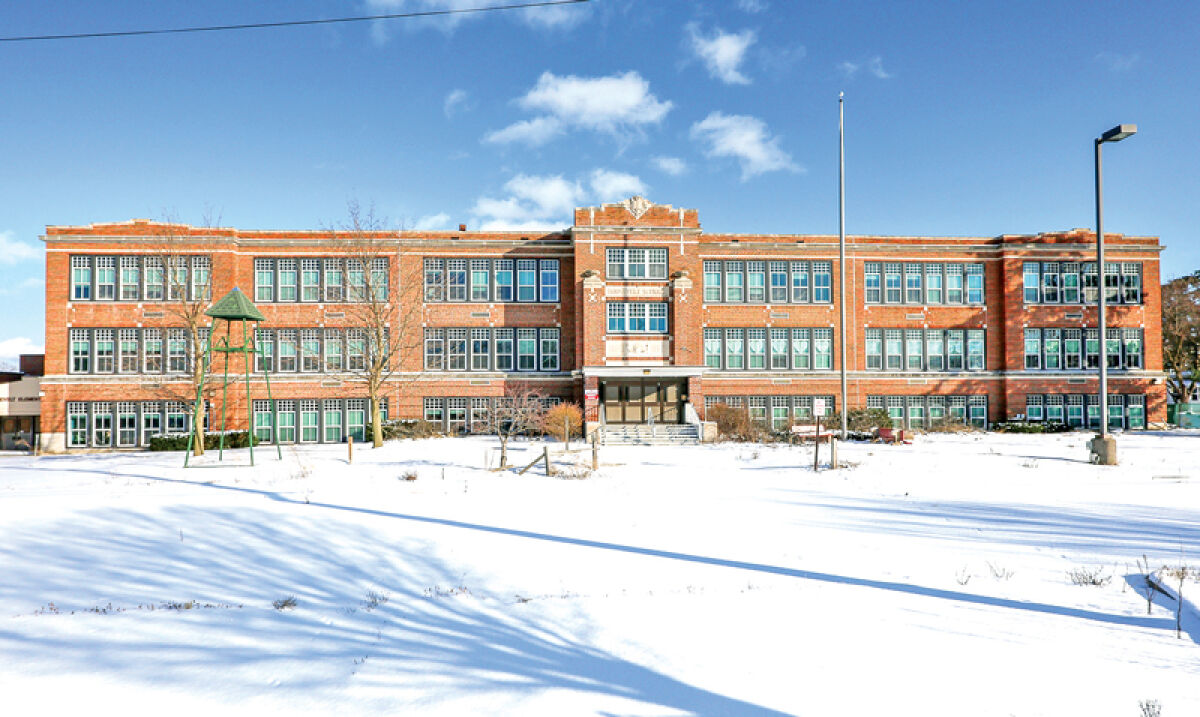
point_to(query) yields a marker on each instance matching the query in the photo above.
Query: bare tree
(520, 409)
(383, 309)
(178, 273)
(1181, 335)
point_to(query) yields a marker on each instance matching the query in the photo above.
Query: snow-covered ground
(929, 579)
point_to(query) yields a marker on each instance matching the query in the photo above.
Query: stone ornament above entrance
(637, 205)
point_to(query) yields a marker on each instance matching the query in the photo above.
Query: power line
(291, 23)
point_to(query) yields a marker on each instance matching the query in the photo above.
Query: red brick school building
(634, 312)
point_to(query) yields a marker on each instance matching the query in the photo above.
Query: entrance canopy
(642, 394)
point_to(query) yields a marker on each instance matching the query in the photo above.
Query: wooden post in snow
(349, 449)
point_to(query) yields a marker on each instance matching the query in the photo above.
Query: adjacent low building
(634, 311)
(20, 404)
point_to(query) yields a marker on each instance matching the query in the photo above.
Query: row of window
(1124, 411)
(311, 350)
(768, 282)
(925, 349)
(923, 283)
(1073, 349)
(124, 424)
(130, 424)
(1052, 282)
(492, 280)
(489, 349)
(320, 280)
(152, 351)
(635, 317)
(140, 278)
(779, 412)
(158, 351)
(468, 415)
(930, 411)
(329, 420)
(775, 349)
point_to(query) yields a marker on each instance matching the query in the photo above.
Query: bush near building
(179, 441)
(563, 419)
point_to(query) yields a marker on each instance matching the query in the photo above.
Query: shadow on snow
(423, 643)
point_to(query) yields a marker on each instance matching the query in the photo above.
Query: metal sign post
(818, 413)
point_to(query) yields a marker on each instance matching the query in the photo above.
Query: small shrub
(561, 419)
(963, 576)
(410, 474)
(287, 603)
(999, 571)
(374, 599)
(179, 441)
(860, 420)
(1150, 708)
(574, 471)
(1088, 576)
(951, 424)
(402, 428)
(735, 423)
(421, 429)
(1029, 427)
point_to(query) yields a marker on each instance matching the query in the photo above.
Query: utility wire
(291, 23)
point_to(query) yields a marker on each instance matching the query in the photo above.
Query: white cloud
(533, 132)
(433, 222)
(609, 186)
(12, 251)
(744, 138)
(873, 65)
(617, 105)
(456, 101)
(382, 30)
(555, 18)
(538, 202)
(603, 104)
(11, 349)
(722, 53)
(752, 6)
(673, 166)
(533, 202)
(1118, 62)
(543, 18)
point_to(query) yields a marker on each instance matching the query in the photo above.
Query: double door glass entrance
(637, 400)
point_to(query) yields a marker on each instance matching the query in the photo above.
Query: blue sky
(963, 118)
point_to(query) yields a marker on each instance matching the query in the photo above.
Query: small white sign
(819, 407)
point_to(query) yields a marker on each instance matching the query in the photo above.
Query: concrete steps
(660, 434)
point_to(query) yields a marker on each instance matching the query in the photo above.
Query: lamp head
(1118, 133)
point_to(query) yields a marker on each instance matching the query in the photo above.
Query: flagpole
(842, 252)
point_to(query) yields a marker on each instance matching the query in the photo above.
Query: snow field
(927, 579)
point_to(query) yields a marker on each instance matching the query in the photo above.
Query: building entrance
(637, 400)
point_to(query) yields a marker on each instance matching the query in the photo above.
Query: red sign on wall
(591, 394)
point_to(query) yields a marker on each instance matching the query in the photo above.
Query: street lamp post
(1104, 446)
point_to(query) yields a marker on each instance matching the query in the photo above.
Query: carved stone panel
(652, 351)
(633, 291)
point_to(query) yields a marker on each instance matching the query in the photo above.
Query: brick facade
(590, 355)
